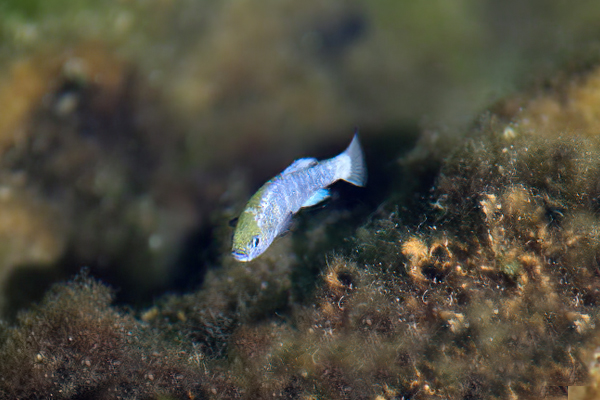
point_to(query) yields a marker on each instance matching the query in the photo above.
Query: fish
(304, 183)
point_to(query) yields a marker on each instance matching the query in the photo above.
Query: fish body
(303, 184)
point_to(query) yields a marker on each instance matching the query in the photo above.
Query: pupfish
(304, 183)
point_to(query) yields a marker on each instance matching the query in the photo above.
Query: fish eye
(255, 241)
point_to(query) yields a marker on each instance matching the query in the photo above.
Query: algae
(74, 345)
(132, 133)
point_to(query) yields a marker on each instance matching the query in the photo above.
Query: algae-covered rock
(79, 141)
(74, 344)
(130, 118)
(132, 134)
(493, 293)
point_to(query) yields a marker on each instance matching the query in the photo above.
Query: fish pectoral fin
(300, 164)
(317, 197)
(286, 225)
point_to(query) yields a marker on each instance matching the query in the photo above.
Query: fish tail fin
(357, 173)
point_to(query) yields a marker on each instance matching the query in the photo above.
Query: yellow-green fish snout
(248, 239)
(249, 251)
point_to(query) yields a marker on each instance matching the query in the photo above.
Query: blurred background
(131, 132)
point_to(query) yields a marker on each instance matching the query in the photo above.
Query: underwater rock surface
(469, 268)
(127, 127)
(493, 294)
(84, 174)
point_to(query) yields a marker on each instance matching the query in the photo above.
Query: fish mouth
(240, 256)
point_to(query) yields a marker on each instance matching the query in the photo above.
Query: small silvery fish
(303, 184)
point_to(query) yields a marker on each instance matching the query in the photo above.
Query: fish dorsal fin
(317, 197)
(300, 164)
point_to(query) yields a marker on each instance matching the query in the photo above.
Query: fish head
(249, 240)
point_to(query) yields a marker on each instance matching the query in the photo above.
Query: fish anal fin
(317, 197)
(300, 164)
